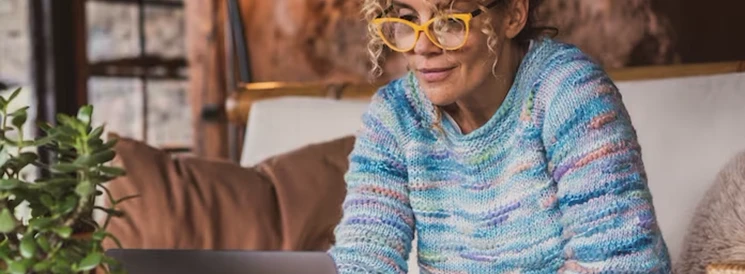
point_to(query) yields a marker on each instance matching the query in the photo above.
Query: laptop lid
(149, 261)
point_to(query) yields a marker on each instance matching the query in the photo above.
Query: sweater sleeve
(594, 157)
(376, 229)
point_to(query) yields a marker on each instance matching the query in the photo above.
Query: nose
(425, 47)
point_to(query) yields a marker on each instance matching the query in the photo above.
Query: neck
(473, 111)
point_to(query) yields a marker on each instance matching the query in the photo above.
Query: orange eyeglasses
(448, 32)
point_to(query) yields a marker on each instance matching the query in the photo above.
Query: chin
(440, 94)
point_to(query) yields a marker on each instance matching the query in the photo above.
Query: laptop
(154, 261)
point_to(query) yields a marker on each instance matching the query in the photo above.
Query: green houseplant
(59, 234)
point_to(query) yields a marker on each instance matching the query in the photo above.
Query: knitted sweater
(553, 182)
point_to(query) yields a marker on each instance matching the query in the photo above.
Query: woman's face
(447, 76)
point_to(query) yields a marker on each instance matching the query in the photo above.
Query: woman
(506, 152)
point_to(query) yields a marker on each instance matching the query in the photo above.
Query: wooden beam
(673, 71)
(205, 38)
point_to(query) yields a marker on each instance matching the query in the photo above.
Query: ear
(516, 17)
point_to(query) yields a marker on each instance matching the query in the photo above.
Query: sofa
(688, 127)
(286, 192)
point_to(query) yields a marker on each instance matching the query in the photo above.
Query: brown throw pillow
(310, 188)
(291, 201)
(191, 203)
(717, 230)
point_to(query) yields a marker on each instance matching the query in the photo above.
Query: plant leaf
(65, 167)
(61, 265)
(112, 171)
(68, 205)
(43, 243)
(41, 223)
(94, 144)
(65, 119)
(99, 235)
(16, 267)
(38, 210)
(26, 158)
(3, 103)
(58, 181)
(106, 146)
(4, 156)
(4, 250)
(8, 222)
(90, 261)
(9, 141)
(44, 126)
(96, 133)
(28, 247)
(44, 140)
(67, 131)
(23, 110)
(102, 178)
(84, 114)
(47, 200)
(19, 119)
(14, 94)
(9, 184)
(63, 231)
(84, 189)
(42, 266)
(95, 159)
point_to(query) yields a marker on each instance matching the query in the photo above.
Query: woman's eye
(408, 17)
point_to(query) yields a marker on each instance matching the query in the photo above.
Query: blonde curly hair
(377, 50)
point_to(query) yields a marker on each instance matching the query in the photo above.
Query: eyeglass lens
(449, 33)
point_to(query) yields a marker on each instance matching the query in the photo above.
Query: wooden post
(60, 67)
(59, 53)
(205, 38)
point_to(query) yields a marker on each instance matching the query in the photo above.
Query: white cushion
(688, 129)
(280, 125)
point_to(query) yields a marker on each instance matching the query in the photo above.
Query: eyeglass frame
(419, 28)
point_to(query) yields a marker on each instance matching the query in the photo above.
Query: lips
(435, 74)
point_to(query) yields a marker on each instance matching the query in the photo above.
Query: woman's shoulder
(552, 58)
(563, 69)
(570, 83)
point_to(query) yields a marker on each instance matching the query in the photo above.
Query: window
(137, 69)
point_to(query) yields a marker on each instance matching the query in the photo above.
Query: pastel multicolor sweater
(553, 182)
